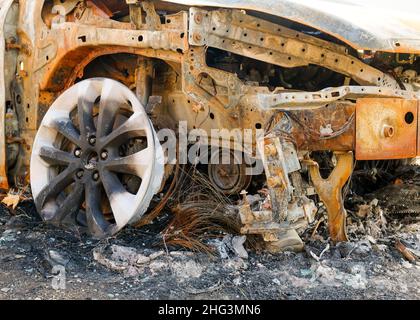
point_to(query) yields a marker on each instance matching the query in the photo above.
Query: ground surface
(359, 270)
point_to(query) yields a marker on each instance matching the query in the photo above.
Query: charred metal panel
(386, 128)
(309, 131)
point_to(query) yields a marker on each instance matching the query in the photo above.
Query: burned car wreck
(94, 93)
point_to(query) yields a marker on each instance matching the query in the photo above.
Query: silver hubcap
(96, 158)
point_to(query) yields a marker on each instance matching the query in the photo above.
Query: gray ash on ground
(364, 268)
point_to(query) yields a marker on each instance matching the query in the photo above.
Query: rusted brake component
(330, 192)
(228, 177)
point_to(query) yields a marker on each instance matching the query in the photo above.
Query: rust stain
(307, 132)
(418, 128)
(4, 183)
(386, 128)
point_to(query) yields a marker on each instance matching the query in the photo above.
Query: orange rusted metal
(77, 71)
(330, 192)
(386, 128)
(336, 116)
(418, 129)
(357, 23)
(4, 183)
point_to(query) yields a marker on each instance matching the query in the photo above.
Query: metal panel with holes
(386, 128)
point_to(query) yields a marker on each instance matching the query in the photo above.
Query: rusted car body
(338, 76)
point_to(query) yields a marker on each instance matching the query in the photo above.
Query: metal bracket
(330, 192)
(312, 100)
(13, 44)
(152, 18)
(240, 33)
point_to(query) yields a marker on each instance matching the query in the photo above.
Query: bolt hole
(258, 125)
(212, 115)
(389, 132)
(409, 117)
(140, 38)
